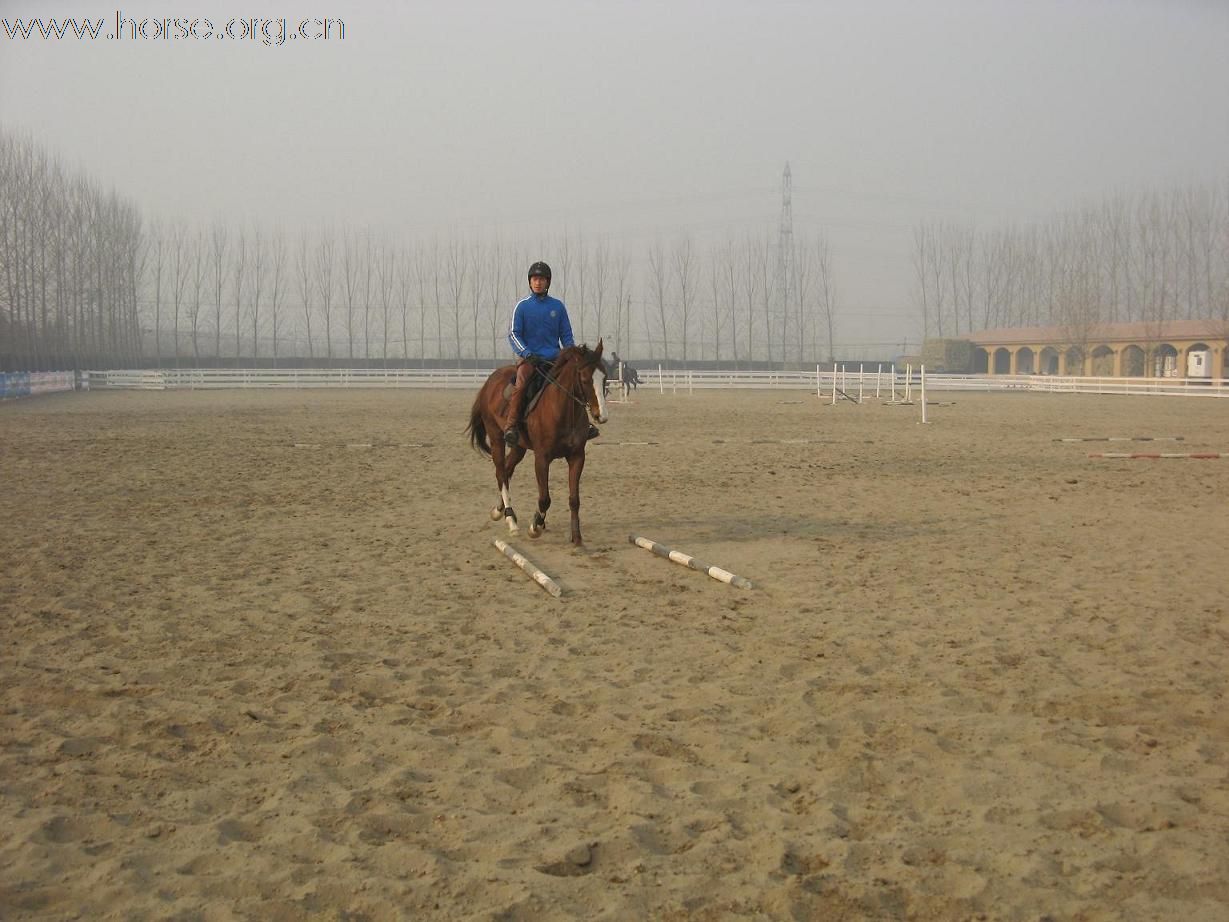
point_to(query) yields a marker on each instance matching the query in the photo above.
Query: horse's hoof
(535, 530)
(513, 529)
(496, 513)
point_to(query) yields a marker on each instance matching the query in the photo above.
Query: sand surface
(980, 675)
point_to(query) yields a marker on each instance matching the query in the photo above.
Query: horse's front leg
(541, 467)
(576, 464)
(505, 463)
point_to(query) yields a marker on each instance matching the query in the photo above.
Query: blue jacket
(540, 326)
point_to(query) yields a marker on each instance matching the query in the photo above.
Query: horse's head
(590, 376)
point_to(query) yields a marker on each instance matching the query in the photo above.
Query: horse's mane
(582, 354)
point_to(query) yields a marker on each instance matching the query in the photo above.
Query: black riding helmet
(542, 269)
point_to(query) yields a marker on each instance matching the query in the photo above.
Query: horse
(556, 425)
(611, 368)
(623, 372)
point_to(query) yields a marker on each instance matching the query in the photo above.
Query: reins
(568, 393)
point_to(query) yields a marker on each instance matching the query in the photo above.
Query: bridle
(584, 404)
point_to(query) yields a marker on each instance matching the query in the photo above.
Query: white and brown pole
(534, 573)
(687, 560)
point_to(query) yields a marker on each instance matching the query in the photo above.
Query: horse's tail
(476, 428)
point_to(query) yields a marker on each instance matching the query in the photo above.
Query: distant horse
(623, 372)
(610, 371)
(556, 425)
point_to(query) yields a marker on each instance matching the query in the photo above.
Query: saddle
(533, 387)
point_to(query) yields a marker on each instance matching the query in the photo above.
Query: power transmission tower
(785, 266)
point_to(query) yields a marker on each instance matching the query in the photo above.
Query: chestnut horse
(557, 426)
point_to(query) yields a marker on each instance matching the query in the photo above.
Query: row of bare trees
(85, 282)
(245, 294)
(70, 265)
(1152, 258)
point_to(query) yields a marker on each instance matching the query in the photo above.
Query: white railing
(865, 384)
(217, 378)
(869, 384)
(1064, 384)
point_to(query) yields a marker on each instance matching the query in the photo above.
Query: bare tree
(477, 274)
(826, 293)
(158, 258)
(753, 284)
(770, 284)
(349, 283)
(725, 305)
(73, 265)
(623, 301)
(197, 264)
(258, 264)
(683, 260)
(219, 244)
(996, 260)
(803, 290)
(426, 271)
(305, 272)
(659, 281)
(935, 269)
(405, 271)
(386, 282)
(1071, 264)
(494, 268)
(717, 286)
(239, 274)
(325, 267)
(277, 257)
(962, 277)
(1114, 227)
(458, 275)
(369, 257)
(600, 281)
(925, 255)
(180, 273)
(1154, 239)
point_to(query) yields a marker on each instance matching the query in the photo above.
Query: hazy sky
(638, 120)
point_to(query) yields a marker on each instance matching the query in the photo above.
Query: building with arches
(1174, 349)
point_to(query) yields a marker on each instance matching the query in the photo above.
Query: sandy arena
(980, 675)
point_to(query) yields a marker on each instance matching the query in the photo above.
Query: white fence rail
(864, 384)
(1167, 387)
(868, 384)
(217, 378)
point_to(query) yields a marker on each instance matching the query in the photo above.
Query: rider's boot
(512, 432)
(593, 432)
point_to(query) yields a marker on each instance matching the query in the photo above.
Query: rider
(540, 329)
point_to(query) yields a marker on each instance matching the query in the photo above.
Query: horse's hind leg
(576, 465)
(541, 467)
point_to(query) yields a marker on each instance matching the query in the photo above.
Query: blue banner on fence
(25, 383)
(16, 384)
